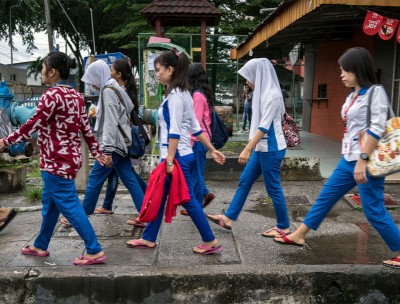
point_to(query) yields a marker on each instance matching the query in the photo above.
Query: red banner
(372, 23)
(388, 28)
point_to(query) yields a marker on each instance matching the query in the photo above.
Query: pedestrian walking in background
(264, 153)
(357, 73)
(112, 115)
(121, 71)
(177, 123)
(59, 119)
(202, 100)
(247, 109)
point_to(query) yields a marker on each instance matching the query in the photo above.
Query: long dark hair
(198, 80)
(60, 62)
(358, 60)
(180, 62)
(122, 66)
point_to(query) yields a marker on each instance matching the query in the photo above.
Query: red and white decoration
(385, 27)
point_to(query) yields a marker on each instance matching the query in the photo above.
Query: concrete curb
(219, 284)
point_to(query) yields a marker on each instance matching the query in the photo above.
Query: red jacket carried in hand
(178, 193)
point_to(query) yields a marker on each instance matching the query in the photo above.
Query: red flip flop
(139, 244)
(208, 249)
(28, 250)
(286, 241)
(395, 259)
(89, 261)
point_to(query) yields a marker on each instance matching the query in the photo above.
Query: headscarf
(261, 73)
(98, 73)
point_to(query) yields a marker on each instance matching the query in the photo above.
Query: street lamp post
(11, 44)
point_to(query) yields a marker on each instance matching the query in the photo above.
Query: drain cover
(355, 201)
(298, 200)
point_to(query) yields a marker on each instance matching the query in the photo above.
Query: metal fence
(227, 85)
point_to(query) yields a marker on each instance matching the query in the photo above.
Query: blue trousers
(247, 112)
(269, 165)
(193, 207)
(59, 195)
(199, 186)
(372, 199)
(99, 174)
(112, 186)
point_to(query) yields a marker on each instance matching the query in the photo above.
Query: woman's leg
(244, 117)
(372, 199)
(50, 214)
(271, 169)
(199, 163)
(65, 197)
(193, 208)
(251, 172)
(112, 186)
(97, 177)
(339, 183)
(128, 178)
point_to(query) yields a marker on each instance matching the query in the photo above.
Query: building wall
(325, 116)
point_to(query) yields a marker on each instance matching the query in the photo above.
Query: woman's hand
(105, 160)
(2, 145)
(360, 172)
(244, 156)
(218, 156)
(169, 169)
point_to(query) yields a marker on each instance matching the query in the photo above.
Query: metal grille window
(323, 91)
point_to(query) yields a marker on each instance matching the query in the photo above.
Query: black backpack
(219, 134)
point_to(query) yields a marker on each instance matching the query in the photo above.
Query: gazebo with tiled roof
(168, 13)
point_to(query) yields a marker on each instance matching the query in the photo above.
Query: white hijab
(261, 73)
(98, 73)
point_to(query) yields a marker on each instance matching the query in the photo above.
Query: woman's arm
(245, 155)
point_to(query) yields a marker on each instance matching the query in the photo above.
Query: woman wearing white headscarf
(112, 115)
(266, 148)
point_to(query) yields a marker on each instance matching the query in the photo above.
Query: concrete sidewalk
(340, 263)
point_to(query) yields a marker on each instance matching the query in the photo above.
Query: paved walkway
(344, 238)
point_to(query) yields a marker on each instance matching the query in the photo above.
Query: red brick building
(324, 29)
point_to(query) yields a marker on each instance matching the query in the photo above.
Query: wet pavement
(345, 240)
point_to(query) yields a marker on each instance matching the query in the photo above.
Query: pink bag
(290, 130)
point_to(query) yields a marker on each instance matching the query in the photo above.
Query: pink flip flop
(208, 249)
(135, 222)
(89, 261)
(219, 221)
(139, 244)
(28, 250)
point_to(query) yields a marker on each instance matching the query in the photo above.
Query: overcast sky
(21, 55)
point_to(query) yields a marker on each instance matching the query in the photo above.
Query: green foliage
(33, 193)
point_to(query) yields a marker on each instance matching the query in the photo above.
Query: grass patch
(33, 193)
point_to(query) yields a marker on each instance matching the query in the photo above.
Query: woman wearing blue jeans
(177, 123)
(269, 145)
(358, 74)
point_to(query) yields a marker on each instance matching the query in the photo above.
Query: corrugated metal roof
(307, 20)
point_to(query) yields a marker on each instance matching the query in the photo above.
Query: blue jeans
(199, 186)
(112, 186)
(372, 199)
(269, 165)
(59, 195)
(247, 112)
(99, 174)
(193, 207)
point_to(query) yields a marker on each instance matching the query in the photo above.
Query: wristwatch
(170, 162)
(364, 156)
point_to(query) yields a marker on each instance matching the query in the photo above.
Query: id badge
(345, 145)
